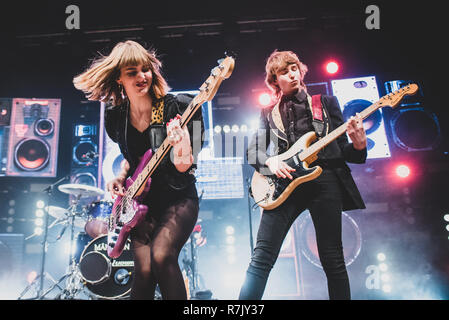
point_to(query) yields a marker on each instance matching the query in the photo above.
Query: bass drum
(351, 238)
(105, 277)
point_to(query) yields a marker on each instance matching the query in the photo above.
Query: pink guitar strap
(318, 121)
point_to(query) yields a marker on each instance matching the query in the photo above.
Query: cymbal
(61, 213)
(80, 190)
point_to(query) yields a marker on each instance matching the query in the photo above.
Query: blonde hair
(277, 61)
(99, 81)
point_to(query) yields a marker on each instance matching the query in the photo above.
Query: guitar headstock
(218, 74)
(393, 98)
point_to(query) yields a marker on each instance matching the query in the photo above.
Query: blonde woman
(130, 79)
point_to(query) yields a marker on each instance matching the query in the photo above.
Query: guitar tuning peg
(215, 71)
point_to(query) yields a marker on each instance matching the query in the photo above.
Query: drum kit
(89, 265)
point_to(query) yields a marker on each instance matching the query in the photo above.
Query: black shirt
(138, 144)
(296, 116)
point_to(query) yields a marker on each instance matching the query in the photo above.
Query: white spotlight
(39, 213)
(235, 128)
(217, 129)
(230, 240)
(381, 256)
(38, 231)
(39, 222)
(383, 267)
(244, 128)
(40, 204)
(386, 288)
(229, 230)
(226, 128)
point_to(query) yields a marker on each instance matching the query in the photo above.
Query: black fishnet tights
(157, 244)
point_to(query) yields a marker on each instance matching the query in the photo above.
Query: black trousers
(323, 198)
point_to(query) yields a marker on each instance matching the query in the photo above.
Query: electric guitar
(127, 210)
(270, 192)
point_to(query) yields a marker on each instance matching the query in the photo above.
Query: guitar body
(126, 215)
(269, 192)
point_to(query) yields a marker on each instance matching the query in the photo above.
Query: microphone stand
(49, 191)
(251, 241)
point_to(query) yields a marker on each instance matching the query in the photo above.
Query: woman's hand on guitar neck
(179, 138)
(279, 168)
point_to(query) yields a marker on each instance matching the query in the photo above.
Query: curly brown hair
(277, 61)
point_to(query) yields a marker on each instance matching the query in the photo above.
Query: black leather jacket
(116, 124)
(334, 156)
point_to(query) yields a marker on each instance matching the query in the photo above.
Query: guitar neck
(320, 144)
(161, 152)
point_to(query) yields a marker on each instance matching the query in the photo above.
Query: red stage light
(265, 99)
(332, 67)
(402, 171)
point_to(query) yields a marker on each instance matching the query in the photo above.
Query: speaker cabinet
(34, 138)
(414, 127)
(5, 121)
(86, 151)
(355, 95)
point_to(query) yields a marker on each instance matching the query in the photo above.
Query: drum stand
(74, 283)
(191, 269)
(43, 274)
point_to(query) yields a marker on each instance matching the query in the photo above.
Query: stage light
(40, 204)
(39, 222)
(31, 276)
(244, 128)
(230, 240)
(217, 129)
(332, 67)
(383, 267)
(229, 230)
(226, 128)
(38, 231)
(381, 256)
(386, 288)
(11, 211)
(446, 217)
(447, 227)
(235, 128)
(39, 213)
(402, 171)
(265, 99)
(9, 229)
